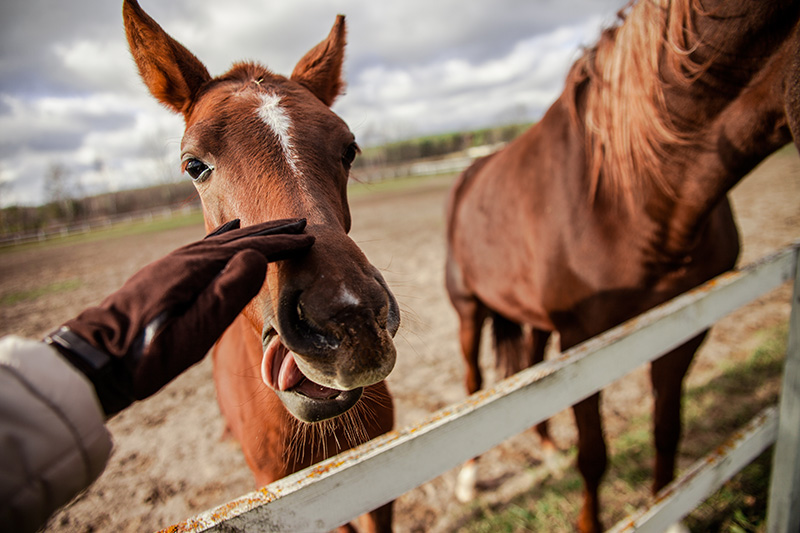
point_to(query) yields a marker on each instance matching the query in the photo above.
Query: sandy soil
(169, 461)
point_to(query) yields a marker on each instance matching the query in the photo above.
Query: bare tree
(60, 190)
(164, 161)
(5, 186)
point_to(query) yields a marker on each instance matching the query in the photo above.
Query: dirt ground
(169, 462)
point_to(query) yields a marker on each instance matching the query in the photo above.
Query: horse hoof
(677, 527)
(465, 484)
(551, 458)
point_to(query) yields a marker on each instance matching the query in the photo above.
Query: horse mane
(247, 72)
(619, 85)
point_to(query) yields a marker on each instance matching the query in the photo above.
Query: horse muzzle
(326, 345)
(305, 399)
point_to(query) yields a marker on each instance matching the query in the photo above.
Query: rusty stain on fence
(691, 303)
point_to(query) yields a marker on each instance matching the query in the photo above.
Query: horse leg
(512, 356)
(472, 314)
(508, 359)
(591, 460)
(377, 521)
(539, 340)
(666, 374)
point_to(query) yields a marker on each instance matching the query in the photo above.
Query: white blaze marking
(279, 122)
(348, 297)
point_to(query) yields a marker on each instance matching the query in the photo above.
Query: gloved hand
(168, 315)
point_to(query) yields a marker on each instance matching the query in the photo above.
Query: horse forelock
(616, 93)
(248, 72)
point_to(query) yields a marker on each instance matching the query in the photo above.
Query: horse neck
(726, 117)
(746, 130)
(736, 56)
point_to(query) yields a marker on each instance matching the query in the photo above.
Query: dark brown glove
(168, 315)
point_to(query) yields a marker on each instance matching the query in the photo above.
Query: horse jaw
(305, 399)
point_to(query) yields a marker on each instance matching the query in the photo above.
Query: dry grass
(712, 411)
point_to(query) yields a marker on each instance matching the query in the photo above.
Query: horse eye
(197, 170)
(350, 154)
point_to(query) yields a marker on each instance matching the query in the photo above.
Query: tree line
(71, 211)
(433, 146)
(66, 206)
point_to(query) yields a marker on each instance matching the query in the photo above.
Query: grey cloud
(66, 134)
(61, 49)
(475, 31)
(29, 30)
(57, 141)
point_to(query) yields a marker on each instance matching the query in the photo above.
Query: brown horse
(299, 374)
(616, 200)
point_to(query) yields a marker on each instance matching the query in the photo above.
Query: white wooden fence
(335, 491)
(93, 224)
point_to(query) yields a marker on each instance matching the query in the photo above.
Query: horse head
(260, 146)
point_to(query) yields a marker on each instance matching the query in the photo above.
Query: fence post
(783, 514)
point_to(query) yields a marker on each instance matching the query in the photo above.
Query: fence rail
(313, 500)
(86, 226)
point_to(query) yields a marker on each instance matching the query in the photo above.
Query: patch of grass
(361, 189)
(552, 505)
(632, 459)
(32, 294)
(711, 412)
(112, 232)
(740, 505)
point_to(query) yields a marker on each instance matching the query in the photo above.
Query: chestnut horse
(616, 200)
(299, 374)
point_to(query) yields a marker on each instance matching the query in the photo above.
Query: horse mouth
(305, 399)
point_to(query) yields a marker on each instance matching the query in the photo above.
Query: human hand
(168, 315)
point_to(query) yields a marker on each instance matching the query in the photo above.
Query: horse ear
(171, 72)
(320, 70)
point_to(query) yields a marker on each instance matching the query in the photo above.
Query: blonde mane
(629, 131)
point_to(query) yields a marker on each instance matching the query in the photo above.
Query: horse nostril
(390, 315)
(300, 332)
(316, 324)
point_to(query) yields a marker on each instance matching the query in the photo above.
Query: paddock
(170, 463)
(336, 490)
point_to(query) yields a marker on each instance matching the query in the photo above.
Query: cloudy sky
(70, 97)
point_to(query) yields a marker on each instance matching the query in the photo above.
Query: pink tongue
(289, 375)
(278, 367)
(279, 371)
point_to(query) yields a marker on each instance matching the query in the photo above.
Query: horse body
(616, 200)
(299, 374)
(561, 256)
